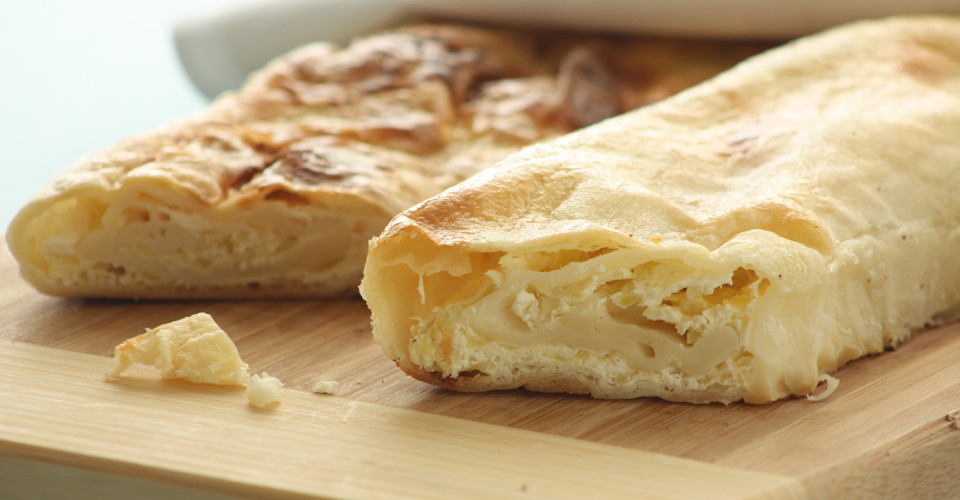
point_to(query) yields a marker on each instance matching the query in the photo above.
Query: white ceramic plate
(219, 49)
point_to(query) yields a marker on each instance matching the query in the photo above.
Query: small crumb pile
(196, 349)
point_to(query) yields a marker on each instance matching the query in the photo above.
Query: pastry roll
(739, 241)
(275, 190)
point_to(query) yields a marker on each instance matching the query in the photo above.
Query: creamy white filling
(658, 314)
(156, 244)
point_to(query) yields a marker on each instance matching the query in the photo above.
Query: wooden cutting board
(889, 431)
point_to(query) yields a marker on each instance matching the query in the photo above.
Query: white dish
(219, 49)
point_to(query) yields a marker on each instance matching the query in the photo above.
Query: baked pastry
(275, 190)
(193, 348)
(738, 241)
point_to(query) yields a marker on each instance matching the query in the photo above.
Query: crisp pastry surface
(738, 241)
(193, 348)
(275, 190)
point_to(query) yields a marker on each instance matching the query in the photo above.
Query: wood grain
(208, 438)
(883, 433)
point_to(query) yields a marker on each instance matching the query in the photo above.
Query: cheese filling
(129, 243)
(658, 313)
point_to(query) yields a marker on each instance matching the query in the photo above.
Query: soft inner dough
(123, 241)
(690, 322)
(735, 242)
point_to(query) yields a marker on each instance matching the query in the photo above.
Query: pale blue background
(77, 76)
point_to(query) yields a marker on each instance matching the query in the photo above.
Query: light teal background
(77, 76)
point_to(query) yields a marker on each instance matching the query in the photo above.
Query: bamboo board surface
(885, 433)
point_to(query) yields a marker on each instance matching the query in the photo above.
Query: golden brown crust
(328, 142)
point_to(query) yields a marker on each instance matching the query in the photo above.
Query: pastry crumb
(263, 390)
(193, 348)
(325, 387)
(832, 384)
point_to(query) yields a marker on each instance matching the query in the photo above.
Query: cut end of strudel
(739, 241)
